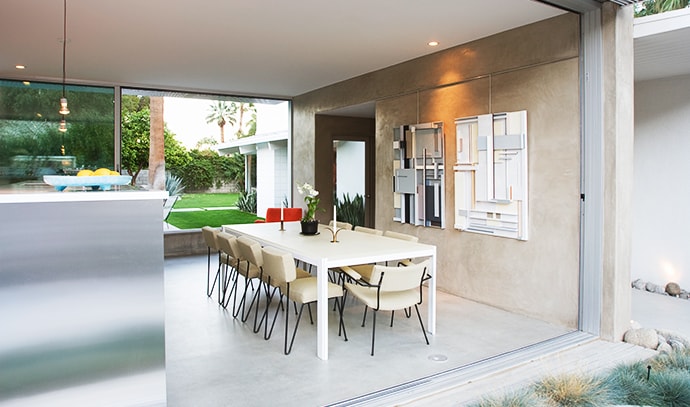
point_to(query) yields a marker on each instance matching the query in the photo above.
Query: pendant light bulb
(63, 126)
(63, 106)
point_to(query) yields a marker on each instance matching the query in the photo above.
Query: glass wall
(31, 144)
(201, 134)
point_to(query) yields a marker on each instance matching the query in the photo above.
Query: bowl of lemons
(101, 179)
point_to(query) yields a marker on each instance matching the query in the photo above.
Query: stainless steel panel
(81, 299)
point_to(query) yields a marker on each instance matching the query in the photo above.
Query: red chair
(289, 215)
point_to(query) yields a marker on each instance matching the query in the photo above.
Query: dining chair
(227, 244)
(395, 288)
(341, 225)
(364, 271)
(364, 229)
(401, 236)
(289, 215)
(250, 253)
(281, 269)
(209, 235)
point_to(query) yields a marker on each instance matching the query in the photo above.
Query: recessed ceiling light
(433, 43)
(19, 66)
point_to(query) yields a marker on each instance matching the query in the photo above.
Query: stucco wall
(534, 68)
(660, 213)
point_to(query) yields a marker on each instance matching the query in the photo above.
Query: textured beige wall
(534, 68)
(618, 135)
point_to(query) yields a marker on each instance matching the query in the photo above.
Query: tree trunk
(157, 150)
(222, 134)
(239, 131)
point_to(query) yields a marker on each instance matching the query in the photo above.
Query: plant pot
(310, 227)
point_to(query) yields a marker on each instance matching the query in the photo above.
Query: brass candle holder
(334, 232)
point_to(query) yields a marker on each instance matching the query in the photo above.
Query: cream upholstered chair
(394, 288)
(230, 250)
(280, 267)
(364, 271)
(341, 225)
(250, 253)
(209, 235)
(364, 229)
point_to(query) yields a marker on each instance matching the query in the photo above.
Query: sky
(186, 118)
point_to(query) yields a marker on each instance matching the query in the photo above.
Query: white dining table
(351, 248)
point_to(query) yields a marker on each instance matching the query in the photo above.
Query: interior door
(351, 177)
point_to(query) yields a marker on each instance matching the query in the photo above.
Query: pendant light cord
(64, 43)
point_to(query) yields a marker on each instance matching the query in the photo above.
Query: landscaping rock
(639, 284)
(649, 286)
(673, 336)
(664, 348)
(676, 345)
(673, 289)
(645, 337)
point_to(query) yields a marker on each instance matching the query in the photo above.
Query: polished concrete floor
(213, 359)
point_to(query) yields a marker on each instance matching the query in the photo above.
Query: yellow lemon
(101, 172)
(84, 173)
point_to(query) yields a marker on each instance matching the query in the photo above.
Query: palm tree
(241, 109)
(157, 144)
(649, 7)
(221, 114)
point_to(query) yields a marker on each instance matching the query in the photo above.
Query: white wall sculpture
(491, 193)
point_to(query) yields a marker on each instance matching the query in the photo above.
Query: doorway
(345, 162)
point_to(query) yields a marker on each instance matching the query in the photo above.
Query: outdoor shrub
(668, 388)
(197, 175)
(628, 384)
(573, 390)
(173, 184)
(522, 398)
(247, 201)
(351, 210)
(678, 359)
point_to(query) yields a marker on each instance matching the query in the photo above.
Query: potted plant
(309, 222)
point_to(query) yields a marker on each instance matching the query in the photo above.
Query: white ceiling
(252, 47)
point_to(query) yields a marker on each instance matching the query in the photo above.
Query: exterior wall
(271, 176)
(534, 67)
(350, 163)
(660, 220)
(617, 36)
(265, 181)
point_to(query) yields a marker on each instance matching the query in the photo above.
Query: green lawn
(214, 218)
(203, 217)
(206, 200)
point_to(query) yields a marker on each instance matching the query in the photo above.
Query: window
(31, 145)
(209, 140)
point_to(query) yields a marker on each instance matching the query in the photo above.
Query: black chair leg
(426, 338)
(209, 287)
(275, 316)
(341, 326)
(373, 332)
(294, 332)
(392, 315)
(364, 320)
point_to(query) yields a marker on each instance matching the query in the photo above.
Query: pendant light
(63, 101)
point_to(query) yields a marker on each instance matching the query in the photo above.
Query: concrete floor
(213, 359)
